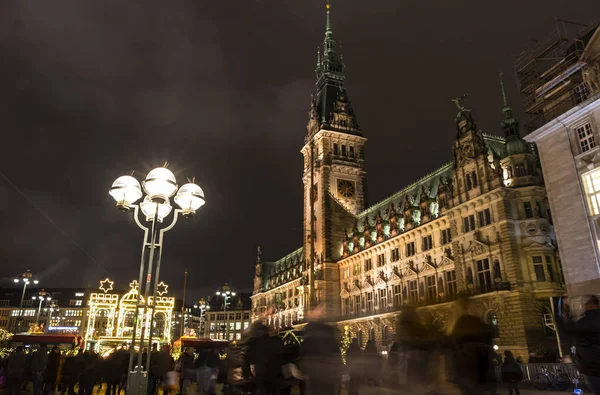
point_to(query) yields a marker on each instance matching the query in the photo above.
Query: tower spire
(328, 31)
(500, 73)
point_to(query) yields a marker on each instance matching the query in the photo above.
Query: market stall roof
(27, 338)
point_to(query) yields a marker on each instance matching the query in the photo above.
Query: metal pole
(141, 277)
(183, 304)
(37, 318)
(146, 288)
(560, 353)
(21, 314)
(154, 288)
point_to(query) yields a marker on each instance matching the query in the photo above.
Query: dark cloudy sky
(92, 89)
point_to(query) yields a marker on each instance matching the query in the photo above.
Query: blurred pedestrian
(188, 371)
(473, 354)
(353, 363)
(15, 371)
(511, 373)
(586, 336)
(265, 354)
(69, 375)
(320, 358)
(51, 373)
(38, 367)
(410, 354)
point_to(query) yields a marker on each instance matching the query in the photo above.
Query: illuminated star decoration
(134, 285)
(161, 288)
(106, 285)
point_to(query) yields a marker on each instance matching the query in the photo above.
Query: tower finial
(328, 23)
(500, 74)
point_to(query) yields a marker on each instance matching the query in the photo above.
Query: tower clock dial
(345, 188)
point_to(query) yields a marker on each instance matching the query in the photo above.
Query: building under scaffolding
(551, 75)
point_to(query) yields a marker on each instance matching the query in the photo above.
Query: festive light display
(111, 319)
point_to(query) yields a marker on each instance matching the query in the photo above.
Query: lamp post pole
(183, 304)
(42, 295)
(160, 185)
(227, 293)
(203, 307)
(26, 278)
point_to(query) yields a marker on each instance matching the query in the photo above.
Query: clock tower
(334, 175)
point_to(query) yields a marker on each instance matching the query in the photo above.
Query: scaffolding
(549, 74)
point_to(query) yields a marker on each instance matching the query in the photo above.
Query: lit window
(585, 137)
(591, 182)
(78, 294)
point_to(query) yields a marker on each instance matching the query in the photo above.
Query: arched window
(361, 338)
(372, 334)
(385, 335)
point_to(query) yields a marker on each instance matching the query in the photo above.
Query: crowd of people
(421, 360)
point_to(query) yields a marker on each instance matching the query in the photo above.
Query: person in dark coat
(265, 353)
(15, 371)
(88, 366)
(159, 366)
(69, 375)
(51, 373)
(38, 367)
(113, 372)
(586, 336)
(320, 358)
(353, 362)
(511, 373)
(473, 355)
(188, 370)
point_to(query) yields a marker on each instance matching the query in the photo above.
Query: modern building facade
(479, 226)
(560, 82)
(227, 323)
(65, 312)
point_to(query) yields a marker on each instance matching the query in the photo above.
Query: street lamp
(160, 186)
(41, 296)
(26, 278)
(203, 307)
(226, 292)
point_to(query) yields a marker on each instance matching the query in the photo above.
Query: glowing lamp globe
(190, 198)
(160, 184)
(151, 209)
(126, 190)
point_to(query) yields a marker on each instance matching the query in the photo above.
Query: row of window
(426, 245)
(225, 336)
(232, 316)
(484, 218)
(345, 151)
(428, 288)
(233, 326)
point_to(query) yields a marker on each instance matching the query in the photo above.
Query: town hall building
(477, 227)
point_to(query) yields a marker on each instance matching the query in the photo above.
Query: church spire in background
(514, 142)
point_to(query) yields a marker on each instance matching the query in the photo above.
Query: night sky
(90, 90)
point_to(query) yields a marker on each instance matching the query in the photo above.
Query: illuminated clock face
(345, 188)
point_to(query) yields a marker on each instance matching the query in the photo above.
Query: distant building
(66, 312)
(229, 323)
(477, 227)
(560, 82)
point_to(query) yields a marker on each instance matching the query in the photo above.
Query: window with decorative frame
(369, 301)
(395, 254)
(538, 268)
(368, 264)
(451, 282)
(380, 260)
(413, 291)
(446, 236)
(484, 273)
(410, 248)
(585, 137)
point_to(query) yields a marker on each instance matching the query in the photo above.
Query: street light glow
(160, 184)
(126, 190)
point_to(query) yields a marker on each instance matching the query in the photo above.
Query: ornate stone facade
(478, 226)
